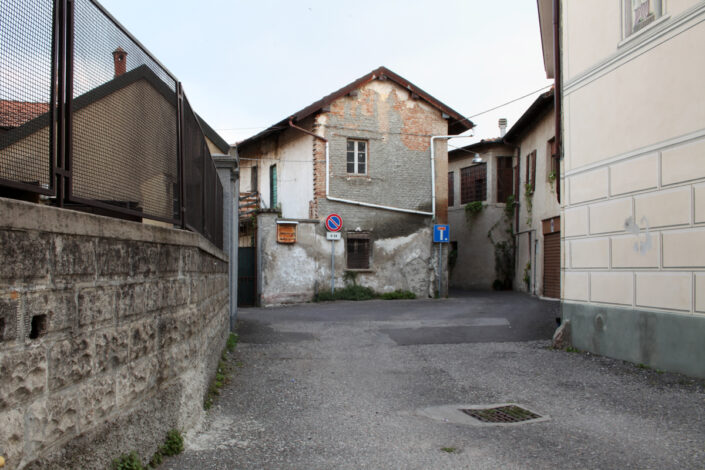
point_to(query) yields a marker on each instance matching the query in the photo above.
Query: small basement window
(358, 250)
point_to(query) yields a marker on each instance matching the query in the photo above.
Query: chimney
(120, 59)
(502, 127)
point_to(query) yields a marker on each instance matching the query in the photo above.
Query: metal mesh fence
(26, 35)
(124, 120)
(116, 148)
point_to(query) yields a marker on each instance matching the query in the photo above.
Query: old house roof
(542, 105)
(15, 113)
(30, 119)
(470, 150)
(457, 123)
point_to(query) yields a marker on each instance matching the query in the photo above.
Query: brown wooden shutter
(504, 178)
(451, 189)
(552, 258)
(533, 169)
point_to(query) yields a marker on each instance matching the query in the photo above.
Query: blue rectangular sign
(441, 233)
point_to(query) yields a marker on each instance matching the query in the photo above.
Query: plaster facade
(396, 126)
(634, 153)
(475, 265)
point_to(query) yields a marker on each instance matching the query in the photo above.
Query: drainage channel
(500, 414)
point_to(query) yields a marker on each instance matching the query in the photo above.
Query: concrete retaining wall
(109, 333)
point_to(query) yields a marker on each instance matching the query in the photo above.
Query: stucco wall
(634, 229)
(544, 203)
(110, 332)
(475, 267)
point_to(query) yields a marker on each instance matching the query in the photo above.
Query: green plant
(529, 198)
(527, 275)
(572, 349)
(472, 209)
(448, 450)
(398, 294)
(222, 373)
(350, 278)
(510, 207)
(129, 461)
(174, 443)
(232, 342)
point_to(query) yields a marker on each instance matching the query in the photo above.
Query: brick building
(363, 152)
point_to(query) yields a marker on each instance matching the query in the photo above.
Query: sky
(246, 65)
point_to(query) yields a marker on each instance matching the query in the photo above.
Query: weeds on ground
(173, 445)
(355, 292)
(448, 450)
(222, 374)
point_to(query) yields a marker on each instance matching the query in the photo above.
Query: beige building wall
(634, 160)
(544, 205)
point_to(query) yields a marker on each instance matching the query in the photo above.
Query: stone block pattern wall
(109, 331)
(635, 231)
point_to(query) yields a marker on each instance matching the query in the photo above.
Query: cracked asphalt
(343, 385)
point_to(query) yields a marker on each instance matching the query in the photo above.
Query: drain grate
(501, 414)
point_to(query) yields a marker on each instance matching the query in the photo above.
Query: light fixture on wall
(477, 158)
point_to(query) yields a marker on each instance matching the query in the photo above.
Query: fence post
(228, 173)
(180, 151)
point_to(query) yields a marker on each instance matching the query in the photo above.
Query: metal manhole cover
(501, 414)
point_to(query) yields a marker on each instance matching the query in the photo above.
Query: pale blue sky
(248, 64)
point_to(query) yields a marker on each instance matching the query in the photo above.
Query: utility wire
(464, 119)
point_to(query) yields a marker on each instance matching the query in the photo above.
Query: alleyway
(341, 385)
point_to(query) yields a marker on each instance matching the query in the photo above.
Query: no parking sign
(334, 223)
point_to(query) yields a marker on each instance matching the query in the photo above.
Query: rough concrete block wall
(109, 331)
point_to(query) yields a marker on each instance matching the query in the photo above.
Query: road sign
(333, 235)
(334, 223)
(441, 233)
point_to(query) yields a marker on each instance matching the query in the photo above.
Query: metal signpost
(441, 235)
(334, 224)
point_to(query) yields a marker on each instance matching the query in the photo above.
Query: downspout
(557, 76)
(360, 203)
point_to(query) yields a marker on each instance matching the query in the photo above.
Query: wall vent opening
(39, 326)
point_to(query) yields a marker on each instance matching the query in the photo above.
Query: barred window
(473, 183)
(358, 250)
(357, 157)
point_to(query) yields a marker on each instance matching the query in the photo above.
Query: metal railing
(91, 120)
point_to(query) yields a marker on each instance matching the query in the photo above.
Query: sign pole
(332, 266)
(440, 268)
(334, 223)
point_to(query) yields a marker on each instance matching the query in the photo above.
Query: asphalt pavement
(378, 385)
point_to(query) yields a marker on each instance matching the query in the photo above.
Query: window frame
(362, 263)
(508, 175)
(356, 154)
(656, 9)
(469, 184)
(273, 193)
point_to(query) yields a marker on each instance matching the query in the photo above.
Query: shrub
(398, 294)
(129, 461)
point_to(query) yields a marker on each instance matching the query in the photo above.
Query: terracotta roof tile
(15, 113)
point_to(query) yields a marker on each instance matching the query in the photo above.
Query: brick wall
(109, 331)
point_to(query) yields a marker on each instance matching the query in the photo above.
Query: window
(451, 189)
(640, 13)
(531, 169)
(505, 178)
(358, 250)
(473, 183)
(273, 186)
(357, 157)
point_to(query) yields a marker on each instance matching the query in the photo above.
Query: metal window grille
(451, 189)
(473, 183)
(504, 178)
(273, 186)
(90, 118)
(358, 250)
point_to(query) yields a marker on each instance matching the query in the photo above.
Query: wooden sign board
(286, 233)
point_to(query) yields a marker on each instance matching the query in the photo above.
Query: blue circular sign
(334, 223)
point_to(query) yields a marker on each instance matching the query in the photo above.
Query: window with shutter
(451, 189)
(505, 178)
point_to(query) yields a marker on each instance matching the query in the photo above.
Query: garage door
(552, 261)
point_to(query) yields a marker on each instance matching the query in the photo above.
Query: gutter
(557, 76)
(367, 204)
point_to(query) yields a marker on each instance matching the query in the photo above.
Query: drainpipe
(359, 203)
(557, 75)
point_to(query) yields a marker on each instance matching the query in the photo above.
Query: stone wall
(109, 334)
